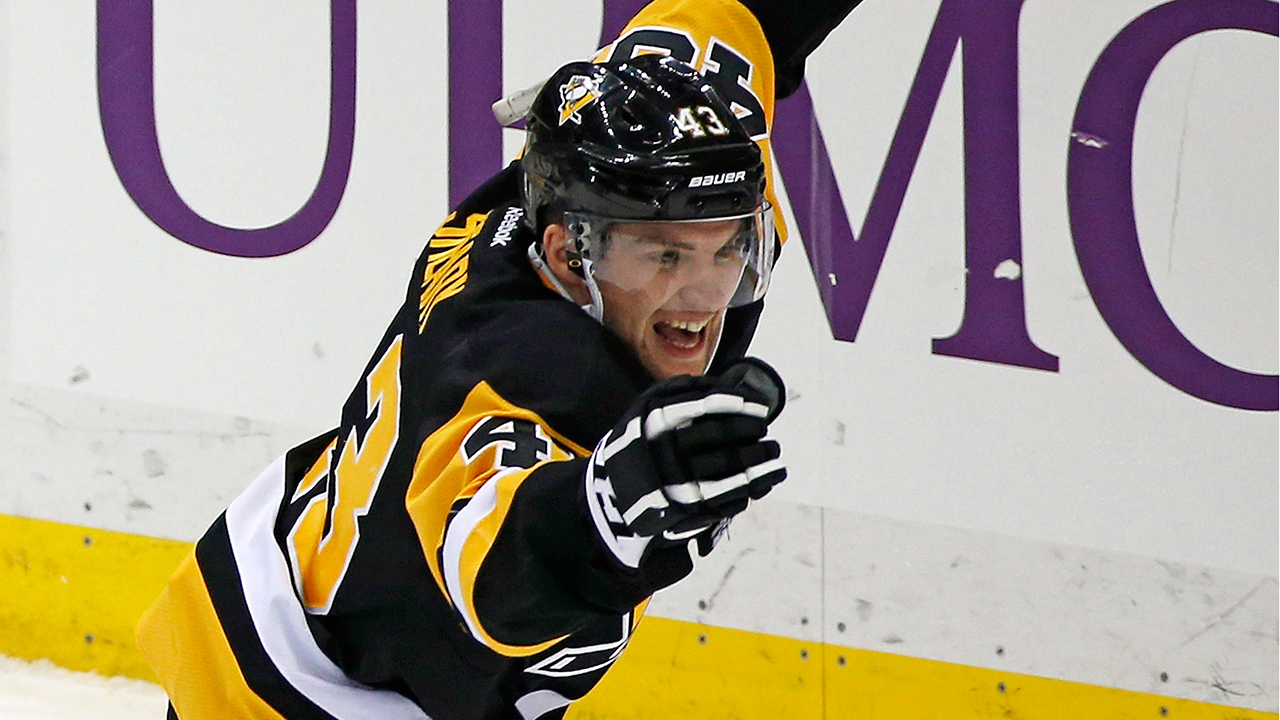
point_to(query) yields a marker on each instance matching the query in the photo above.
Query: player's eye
(735, 249)
(667, 258)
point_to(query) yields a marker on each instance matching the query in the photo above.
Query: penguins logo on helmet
(575, 95)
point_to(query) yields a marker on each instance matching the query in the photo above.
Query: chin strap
(596, 308)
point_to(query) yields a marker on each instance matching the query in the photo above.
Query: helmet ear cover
(575, 245)
(547, 215)
(573, 252)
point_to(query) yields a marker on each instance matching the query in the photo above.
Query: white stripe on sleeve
(455, 538)
(278, 617)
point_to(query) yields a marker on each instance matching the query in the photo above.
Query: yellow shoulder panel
(708, 21)
(443, 474)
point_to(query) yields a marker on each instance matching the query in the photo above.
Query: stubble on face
(647, 329)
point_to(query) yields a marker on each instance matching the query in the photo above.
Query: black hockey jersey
(433, 556)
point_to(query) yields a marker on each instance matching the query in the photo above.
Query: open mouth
(682, 337)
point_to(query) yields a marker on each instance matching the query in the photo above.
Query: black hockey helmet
(630, 154)
(644, 139)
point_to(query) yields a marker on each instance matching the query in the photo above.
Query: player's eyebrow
(665, 242)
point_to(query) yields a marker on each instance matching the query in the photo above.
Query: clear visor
(702, 265)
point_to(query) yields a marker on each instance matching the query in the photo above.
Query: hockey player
(556, 421)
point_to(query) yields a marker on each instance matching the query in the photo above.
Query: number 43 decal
(324, 538)
(705, 121)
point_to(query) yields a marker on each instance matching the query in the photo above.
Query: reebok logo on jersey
(720, 179)
(571, 661)
(510, 219)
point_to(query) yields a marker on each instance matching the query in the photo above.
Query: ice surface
(43, 691)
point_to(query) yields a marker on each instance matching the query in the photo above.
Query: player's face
(665, 288)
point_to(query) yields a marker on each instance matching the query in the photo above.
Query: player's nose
(707, 286)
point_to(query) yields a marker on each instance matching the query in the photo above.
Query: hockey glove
(688, 455)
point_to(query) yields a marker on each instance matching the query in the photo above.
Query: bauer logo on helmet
(719, 179)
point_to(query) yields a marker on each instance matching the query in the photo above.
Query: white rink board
(146, 381)
(990, 601)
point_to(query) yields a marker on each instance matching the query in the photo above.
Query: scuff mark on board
(1227, 613)
(242, 428)
(47, 417)
(1089, 139)
(1182, 147)
(1008, 270)
(837, 433)
(724, 579)
(864, 608)
(153, 464)
(1228, 689)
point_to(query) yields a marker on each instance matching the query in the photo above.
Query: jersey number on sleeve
(521, 443)
(324, 538)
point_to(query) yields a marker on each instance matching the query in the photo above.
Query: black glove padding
(688, 455)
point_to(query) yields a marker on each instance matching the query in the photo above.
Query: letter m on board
(994, 327)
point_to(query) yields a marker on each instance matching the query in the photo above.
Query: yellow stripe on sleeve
(476, 547)
(181, 638)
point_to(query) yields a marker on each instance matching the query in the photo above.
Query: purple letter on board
(1100, 199)
(126, 100)
(475, 83)
(994, 327)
